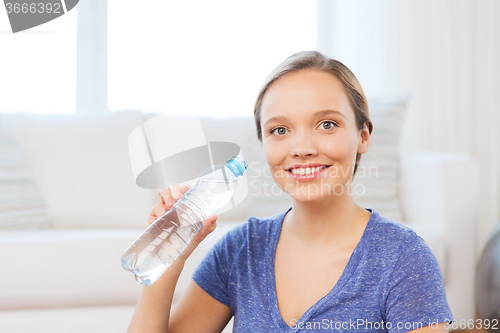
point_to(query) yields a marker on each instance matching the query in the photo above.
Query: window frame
(92, 57)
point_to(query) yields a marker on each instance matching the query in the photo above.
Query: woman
(325, 264)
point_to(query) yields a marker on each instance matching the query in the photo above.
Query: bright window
(38, 66)
(201, 57)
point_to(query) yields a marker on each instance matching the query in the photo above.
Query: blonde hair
(316, 60)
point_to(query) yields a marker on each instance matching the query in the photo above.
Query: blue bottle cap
(237, 165)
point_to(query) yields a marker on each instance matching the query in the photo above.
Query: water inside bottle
(164, 240)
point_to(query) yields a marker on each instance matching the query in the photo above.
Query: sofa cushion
(81, 165)
(99, 319)
(21, 205)
(78, 267)
(66, 267)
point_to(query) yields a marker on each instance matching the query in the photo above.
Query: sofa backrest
(81, 166)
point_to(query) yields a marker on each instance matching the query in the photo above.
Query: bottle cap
(237, 165)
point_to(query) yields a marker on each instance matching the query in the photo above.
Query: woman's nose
(303, 146)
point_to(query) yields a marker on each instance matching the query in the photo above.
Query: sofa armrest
(439, 193)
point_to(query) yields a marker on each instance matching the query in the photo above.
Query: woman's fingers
(165, 202)
(160, 210)
(166, 199)
(208, 226)
(178, 191)
(157, 211)
(171, 194)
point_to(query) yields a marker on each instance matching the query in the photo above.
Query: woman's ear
(364, 139)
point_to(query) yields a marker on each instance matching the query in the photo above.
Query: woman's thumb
(209, 225)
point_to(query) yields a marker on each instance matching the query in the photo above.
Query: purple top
(392, 282)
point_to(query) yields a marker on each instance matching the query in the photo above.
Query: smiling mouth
(306, 171)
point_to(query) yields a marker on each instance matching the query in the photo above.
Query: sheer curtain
(201, 57)
(444, 53)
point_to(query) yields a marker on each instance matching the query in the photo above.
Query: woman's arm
(153, 307)
(197, 310)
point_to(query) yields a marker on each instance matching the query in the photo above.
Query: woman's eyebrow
(316, 114)
(275, 119)
(328, 112)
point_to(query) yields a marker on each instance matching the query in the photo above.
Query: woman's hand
(152, 313)
(166, 199)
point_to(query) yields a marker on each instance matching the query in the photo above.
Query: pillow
(80, 163)
(377, 181)
(21, 205)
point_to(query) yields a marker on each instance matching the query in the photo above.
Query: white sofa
(63, 274)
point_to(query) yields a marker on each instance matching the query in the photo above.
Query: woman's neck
(333, 222)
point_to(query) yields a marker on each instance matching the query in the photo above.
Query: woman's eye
(328, 124)
(278, 130)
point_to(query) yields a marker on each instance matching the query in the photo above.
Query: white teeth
(305, 171)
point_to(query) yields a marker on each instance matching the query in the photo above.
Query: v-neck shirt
(391, 283)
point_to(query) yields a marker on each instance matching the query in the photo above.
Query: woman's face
(307, 123)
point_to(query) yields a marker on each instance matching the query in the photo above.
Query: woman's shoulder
(397, 247)
(390, 234)
(393, 227)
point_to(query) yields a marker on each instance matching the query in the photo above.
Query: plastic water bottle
(165, 239)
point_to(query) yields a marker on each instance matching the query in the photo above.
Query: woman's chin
(309, 198)
(314, 193)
